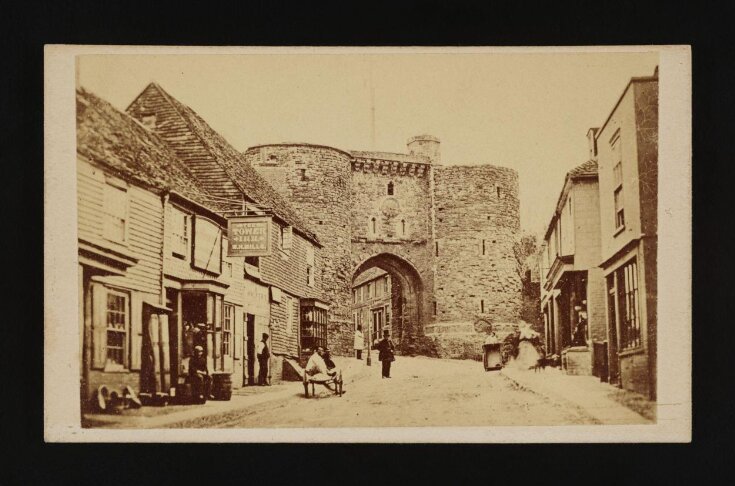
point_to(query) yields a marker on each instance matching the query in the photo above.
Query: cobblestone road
(421, 392)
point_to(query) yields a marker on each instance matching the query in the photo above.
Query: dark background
(26, 28)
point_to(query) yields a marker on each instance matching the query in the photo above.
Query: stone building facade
(444, 235)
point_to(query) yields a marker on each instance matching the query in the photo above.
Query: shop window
(228, 317)
(115, 210)
(390, 188)
(180, 231)
(627, 289)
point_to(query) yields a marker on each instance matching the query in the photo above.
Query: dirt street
(421, 392)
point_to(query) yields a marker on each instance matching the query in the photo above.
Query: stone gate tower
(444, 234)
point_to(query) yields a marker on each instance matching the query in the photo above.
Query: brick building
(573, 291)
(627, 147)
(444, 235)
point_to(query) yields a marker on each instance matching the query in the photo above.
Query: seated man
(317, 368)
(199, 374)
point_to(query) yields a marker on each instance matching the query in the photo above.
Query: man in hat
(386, 353)
(263, 354)
(199, 374)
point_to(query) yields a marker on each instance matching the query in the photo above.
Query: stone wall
(385, 209)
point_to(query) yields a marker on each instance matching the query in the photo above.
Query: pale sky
(529, 112)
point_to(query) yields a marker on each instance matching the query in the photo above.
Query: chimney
(426, 145)
(592, 142)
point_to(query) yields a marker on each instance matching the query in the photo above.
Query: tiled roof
(110, 137)
(220, 168)
(588, 168)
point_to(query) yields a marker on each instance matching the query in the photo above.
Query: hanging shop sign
(249, 236)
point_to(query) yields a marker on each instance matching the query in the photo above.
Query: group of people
(319, 365)
(385, 347)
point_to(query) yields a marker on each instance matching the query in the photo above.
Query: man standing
(199, 375)
(359, 343)
(386, 353)
(263, 354)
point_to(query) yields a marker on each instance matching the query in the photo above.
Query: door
(378, 323)
(249, 345)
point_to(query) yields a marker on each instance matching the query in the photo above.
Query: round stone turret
(427, 145)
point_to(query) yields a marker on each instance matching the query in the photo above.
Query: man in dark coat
(199, 374)
(386, 352)
(263, 354)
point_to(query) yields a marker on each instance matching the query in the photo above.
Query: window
(618, 196)
(354, 296)
(207, 253)
(116, 213)
(373, 228)
(117, 327)
(286, 238)
(403, 227)
(482, 306)
(627, 290)
(228, 317)
(301, 173)
(436, 248)
(483, 247)
(371, 291)
(499, 191)
(435, 308)
(390, 188)
(228, 269)
(252, 261)
(310, 266)
(180, 230)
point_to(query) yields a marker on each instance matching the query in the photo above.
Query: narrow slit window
(390, 188)
(372, 225)
(483, 247)
(482, 306)
(403, 227)
(436, 248)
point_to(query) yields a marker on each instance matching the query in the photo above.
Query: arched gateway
(444, 236)
(406, 298)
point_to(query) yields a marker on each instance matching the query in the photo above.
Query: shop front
(255, 322)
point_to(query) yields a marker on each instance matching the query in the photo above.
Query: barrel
(222, 386)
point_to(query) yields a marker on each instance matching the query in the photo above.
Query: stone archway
(406, 300)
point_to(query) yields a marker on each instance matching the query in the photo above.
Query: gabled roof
(587, 169)
(220, 168)
(114, 139)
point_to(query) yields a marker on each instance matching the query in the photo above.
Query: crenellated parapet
(390, 164)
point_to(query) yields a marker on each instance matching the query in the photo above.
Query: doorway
(249, 346)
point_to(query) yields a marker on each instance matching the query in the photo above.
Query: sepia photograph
(381, 244)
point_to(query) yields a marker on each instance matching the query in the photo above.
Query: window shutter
(136, 331)
(165, 354)
(153, 324)
(99, 325)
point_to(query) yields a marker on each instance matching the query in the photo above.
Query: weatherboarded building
(155, 278)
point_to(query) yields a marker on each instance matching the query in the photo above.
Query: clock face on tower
(390, 207)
